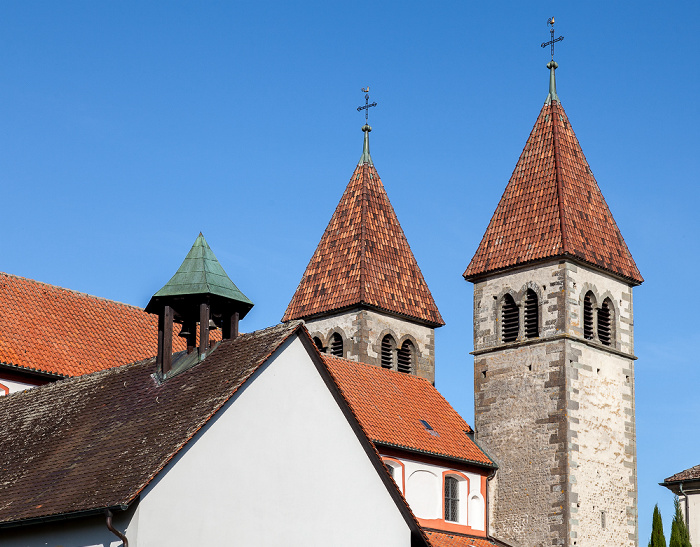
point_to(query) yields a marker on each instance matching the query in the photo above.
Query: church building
(168, 426)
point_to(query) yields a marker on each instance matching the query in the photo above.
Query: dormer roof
(552, 206)
(363, 258)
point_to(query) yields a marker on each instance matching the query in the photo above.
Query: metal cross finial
(367, 104)
(552, 40)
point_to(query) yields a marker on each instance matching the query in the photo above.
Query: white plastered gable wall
(279, 465)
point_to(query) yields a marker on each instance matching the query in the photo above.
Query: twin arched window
(400, 359)
(510, 317)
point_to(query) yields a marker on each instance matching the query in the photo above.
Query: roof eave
(482, 274)
(361, 305)
(414, 450)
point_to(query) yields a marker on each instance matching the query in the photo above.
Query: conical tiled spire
(552, 206)
(363, 258)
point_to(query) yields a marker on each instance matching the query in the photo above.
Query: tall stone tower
(554, 350)
(363, 295)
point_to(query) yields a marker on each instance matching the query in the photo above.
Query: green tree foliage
(657, 530)
(679, 531)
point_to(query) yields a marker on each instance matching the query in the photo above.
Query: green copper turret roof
(201, 273)
(552, 96)
(365, 158)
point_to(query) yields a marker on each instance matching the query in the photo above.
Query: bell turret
(200, 293)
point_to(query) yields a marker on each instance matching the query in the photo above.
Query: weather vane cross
(367, 105)
(552, 40)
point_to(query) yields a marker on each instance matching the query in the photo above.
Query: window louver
(404, 357)
(532, 322)
(388, 351)
(317, 342)
(604, 324)
(510, 319)
(337, 345)
(451, 499)
(588, 317)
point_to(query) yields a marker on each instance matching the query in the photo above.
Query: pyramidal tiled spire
(552, 206)
(363, 258)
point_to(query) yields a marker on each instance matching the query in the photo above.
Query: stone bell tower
(554, 350)
(363, 295)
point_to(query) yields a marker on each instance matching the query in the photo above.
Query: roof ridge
(72, 291)
(557, 174)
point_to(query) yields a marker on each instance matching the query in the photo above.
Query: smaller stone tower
(363, 295)
(554, 350)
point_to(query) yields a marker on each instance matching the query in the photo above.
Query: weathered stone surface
(557, 412)
(363, 330)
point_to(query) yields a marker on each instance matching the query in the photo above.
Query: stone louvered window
(404, 357)
(451, 499)
(532, 323)
(319, 344)
(336, 345)
(510, 319)
(388, 351)
(605, 316)
(588, 316)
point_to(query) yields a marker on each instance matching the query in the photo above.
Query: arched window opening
(404, 357)
(336, 345)
(588, 316)
(532, 322)
(510, 319)
(318, 344)
(451, 499)
(388, 351)
(605, 323)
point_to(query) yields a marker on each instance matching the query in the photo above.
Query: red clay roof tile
(364, 258)
(692, 474)
(552, 207)
(449, 539)
(389, 405)
(59, 331)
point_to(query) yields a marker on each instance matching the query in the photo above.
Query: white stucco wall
(424, 491)
(280, 466)
(694, 516)
(85, 532)
(13, 386)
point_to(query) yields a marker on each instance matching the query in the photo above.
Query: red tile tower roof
(390, 406)
(364, 258)
(58, 331)
(552, 207)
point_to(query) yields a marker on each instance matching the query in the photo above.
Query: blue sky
(128, 127)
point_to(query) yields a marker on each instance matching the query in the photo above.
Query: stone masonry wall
(521, 423)
(363, 330)
(557, 412)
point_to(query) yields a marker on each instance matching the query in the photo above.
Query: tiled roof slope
(364, 258)
(97, 440)
(448, 539)
(59, 331)
(389, 406)
(692, 474)
(552, 207)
